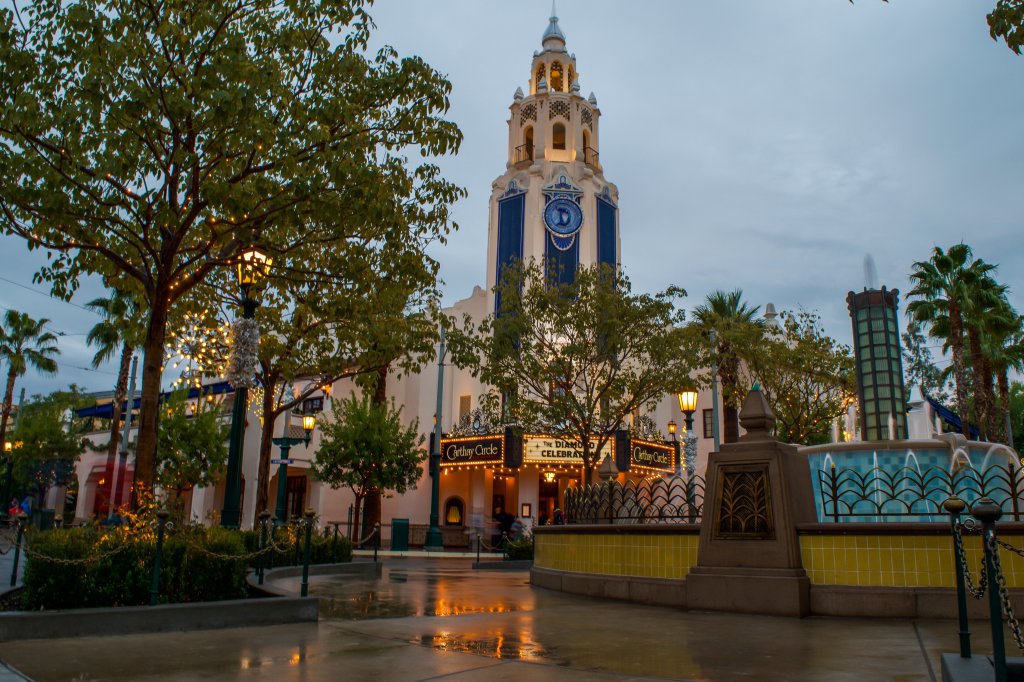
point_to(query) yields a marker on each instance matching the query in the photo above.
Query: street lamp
(675, 443)
(285, 442)
(688, 405)
(434, 539)
(253, 266)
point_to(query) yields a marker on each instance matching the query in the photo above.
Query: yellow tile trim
(646, 556)
(898, 560)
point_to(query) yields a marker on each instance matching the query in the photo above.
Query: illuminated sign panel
(555, 450)
(648, 455)
(472, 450)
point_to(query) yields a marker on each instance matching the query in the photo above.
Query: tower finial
(553, 32)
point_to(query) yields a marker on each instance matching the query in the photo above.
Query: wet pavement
(429, 619)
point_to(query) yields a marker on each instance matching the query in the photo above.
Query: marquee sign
(650, 455)
(555, 450)
(473, 450)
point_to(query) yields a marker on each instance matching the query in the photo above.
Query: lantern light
(254, 265)
(687, 401)
(672, 428)
(308, 422)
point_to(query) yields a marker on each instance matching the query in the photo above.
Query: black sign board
(658, 456)
(472, 450)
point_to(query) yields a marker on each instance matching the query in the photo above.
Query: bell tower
(553, 204)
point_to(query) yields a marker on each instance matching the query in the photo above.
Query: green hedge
(520, 548)
(117, 569)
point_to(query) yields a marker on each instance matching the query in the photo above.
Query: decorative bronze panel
(744, 503)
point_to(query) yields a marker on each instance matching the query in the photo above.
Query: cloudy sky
(763, 144)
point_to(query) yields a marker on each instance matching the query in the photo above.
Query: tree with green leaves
(737, 331)
(365, 446)
(807, 377)
(119, 332)
(192, 448)
(943, 286)
(1006, 21)
(24, 343)
(918, 366)
(151, 147)
(577, 358)
(49, 442)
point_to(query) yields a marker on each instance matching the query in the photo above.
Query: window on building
(465, 405)
(558, 136)
(528, 144)
(709, 423)
(454, 512)
(313, 405)
(557, 80)
(537, 78)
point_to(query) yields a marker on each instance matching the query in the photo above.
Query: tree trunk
(266, 443)
(149, 400)
(5, 414)
(355, 520)
(374, 495)
(956, 348)
(120, 393)
(729, 374)
(993, 429)
(978, 381)
(1004, 399)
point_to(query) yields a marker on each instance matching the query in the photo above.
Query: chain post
(261, 561)
(271, 532)
(22, 519)
(1014, 492)
(478, 549)
(351, 510)
(376, 544)
(161, 523)
(308, 520)
(334, 545)
(988, 512)
(955, 506)
(298, 542)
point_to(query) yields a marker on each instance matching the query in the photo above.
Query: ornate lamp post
(675, 443)
(688, 405)
(434, 539)
(252, 268)
(285, 442)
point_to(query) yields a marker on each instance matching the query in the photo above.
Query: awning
(107, 411)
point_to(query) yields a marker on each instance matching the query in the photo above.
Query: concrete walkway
(434, 619)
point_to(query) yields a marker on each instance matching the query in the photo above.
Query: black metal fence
(913, 494)
(672, 499)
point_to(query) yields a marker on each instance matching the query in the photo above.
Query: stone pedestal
(758, 489)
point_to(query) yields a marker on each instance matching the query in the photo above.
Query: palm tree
(24, 343)
(1004, 352)
(118, 331)
(987, 316)
(942, 287)
(736, 326)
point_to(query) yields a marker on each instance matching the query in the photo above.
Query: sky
(767, 145)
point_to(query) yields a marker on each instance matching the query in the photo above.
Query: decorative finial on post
(756, 416)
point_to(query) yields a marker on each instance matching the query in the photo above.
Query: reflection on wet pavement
(428, 619)
(423, 591)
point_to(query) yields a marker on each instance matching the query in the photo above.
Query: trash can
(400, 535)
(43, 518)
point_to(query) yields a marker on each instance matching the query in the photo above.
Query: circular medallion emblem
(563, 217)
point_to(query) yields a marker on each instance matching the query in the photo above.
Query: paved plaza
(436, 619)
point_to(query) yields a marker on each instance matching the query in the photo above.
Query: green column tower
(877, 352)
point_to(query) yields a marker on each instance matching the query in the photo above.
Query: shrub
(93, 567)
(520, 548)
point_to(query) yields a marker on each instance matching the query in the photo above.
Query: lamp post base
(434, 539)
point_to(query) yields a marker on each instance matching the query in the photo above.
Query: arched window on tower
(538, 76)
(557, 80)
(571, 80)
(586, 141)
(527, 144)
(558, 136)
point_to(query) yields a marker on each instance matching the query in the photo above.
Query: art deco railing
(671, 499)
(522, 153)
(912, 494)
(591, 157)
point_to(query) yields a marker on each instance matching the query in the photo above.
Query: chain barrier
(499, 548)
(958, 541)
(360, 543)
(1004, 594)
